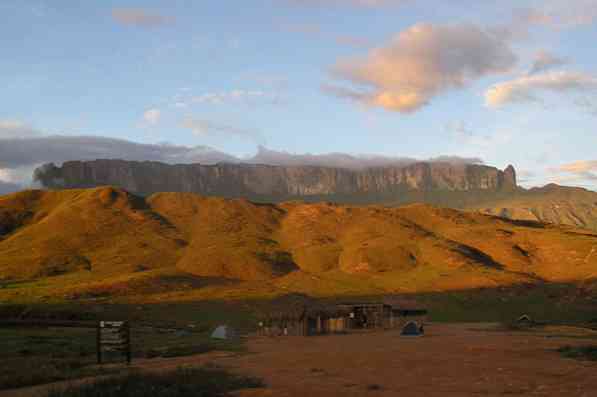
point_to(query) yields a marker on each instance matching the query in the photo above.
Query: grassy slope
(552, 203)
(106, 243)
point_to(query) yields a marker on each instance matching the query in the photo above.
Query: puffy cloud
(527, 88)
(421, 63)
(152, 116)
(16, 129)
(545, 60)
(139, 17)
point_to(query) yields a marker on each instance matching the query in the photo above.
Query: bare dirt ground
(450, 360)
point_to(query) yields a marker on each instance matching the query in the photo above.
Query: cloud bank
(420, 63)
(20, 156)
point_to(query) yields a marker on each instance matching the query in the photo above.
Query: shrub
(183, 382)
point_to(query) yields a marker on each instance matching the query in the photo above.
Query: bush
(183, 382)
(579, 352)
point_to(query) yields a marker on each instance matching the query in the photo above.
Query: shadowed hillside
(105, 241)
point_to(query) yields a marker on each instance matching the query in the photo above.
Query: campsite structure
(316, 319)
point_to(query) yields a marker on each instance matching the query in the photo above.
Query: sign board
(114, 336)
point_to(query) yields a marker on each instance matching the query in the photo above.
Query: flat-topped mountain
(461, 186)
(279, 183)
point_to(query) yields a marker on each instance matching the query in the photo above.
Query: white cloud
(139, 17)
(529, 88)
(152, 116)
(421, 63)
(545, 60)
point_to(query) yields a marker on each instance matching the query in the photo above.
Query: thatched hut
(309, 320)
(308, 317)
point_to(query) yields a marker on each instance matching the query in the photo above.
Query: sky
(336, 82)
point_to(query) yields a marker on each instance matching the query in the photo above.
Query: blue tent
(412, 329)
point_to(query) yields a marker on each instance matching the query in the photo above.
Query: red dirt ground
(450, 360)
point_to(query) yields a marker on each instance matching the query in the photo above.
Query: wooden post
(128, 343)
(98, 343)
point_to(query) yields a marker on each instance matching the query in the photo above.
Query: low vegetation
(183, 382)
(579, 352)
(36, 354)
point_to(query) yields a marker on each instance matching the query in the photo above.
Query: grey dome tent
(223, 332)
(411, 329)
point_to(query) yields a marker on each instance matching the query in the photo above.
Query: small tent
(411, 329)
(223, 332)
(525, 321)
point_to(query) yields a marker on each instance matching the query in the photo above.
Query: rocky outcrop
(276, 183)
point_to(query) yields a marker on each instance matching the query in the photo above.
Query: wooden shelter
(312, 318)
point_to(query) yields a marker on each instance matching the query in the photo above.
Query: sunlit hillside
(106, 242)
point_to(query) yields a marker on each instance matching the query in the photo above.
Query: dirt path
(451, 360)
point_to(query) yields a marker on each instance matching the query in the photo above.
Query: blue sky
(403, 78)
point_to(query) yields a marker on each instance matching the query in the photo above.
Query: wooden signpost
(114, 336)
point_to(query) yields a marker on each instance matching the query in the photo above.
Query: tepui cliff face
(276, 183)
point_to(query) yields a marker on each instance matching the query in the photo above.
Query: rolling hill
(89, 243)
(551, 204)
